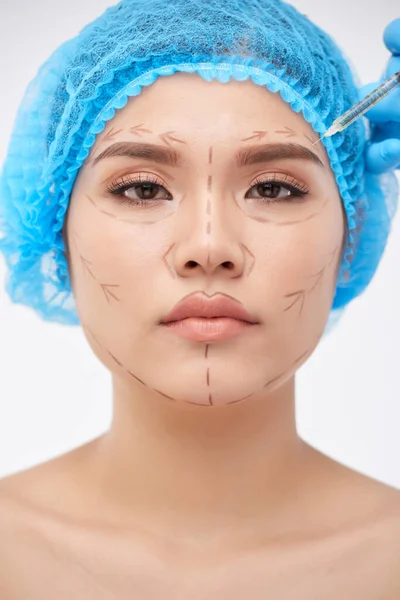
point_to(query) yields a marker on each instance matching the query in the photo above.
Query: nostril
(191, 264)
(228, 265)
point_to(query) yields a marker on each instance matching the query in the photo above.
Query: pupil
(147, 189)
(273, 188)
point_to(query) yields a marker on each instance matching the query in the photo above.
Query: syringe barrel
(368, 102)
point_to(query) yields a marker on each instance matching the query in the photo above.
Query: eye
(277, 189)
(147, 187)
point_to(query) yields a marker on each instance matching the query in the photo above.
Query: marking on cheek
(166, 261)
(286, 132)
(319, 276)
(85, 263)
(301, 357)
(167, 137)
(136, 222)
(283, 223)
(333, 254)
(139, 129)
(208, 227)
(100, 209)
(125, 220)
(257, 134)
(114, 358)
(252, 258)
(259, 219)
(208, 376)
(210, 155)
(320, 273)
(107, 213)
(206, 351)
(86, 328)
(301, 294)
(106, 291)
(91, 200)
(300, 297)
(209, 184)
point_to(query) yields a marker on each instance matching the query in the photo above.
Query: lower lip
(208, 330)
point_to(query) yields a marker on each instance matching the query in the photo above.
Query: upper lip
(198, 304)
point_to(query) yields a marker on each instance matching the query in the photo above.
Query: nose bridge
(209, 229)
(208, 216)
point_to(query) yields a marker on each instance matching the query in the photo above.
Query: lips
(200, 305)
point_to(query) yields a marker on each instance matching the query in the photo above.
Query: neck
(201, 473)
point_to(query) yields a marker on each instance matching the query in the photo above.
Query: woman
(203, 241)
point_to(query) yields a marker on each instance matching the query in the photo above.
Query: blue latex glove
(383, 153)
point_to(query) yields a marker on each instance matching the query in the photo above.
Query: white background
(55, 395)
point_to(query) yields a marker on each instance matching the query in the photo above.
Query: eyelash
(117, 189)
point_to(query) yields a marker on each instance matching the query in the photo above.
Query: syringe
(358, 109)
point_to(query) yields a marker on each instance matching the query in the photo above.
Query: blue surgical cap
(80, 87)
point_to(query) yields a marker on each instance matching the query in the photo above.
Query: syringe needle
(361, 107)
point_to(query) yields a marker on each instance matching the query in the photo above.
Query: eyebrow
(246, 156)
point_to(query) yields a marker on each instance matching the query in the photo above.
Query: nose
(210, 241)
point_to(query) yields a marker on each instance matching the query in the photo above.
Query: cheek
(303, 257)
(111, 261)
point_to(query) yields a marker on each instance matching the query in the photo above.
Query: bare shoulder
(366, 544)
(27, 496)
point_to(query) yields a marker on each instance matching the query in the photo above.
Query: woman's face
(224, 195)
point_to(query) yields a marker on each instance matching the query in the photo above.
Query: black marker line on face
(257, 135)
(168, 137)
(110, 135)
(105, 286)
(253, 258)
(300, 297)
(301, 294)
(139, 129)
(164, 257)
(287, 132)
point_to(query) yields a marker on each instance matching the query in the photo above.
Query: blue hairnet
(80, 87)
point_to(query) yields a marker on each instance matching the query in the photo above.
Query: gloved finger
(384, 131)
(391, 36)
(393, 66)
(387, 109)
(383, 156)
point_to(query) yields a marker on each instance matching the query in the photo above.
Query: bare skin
(202, 487)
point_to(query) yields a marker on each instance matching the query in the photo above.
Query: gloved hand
(383, 152)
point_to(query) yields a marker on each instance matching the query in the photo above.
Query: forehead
(185, 102)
